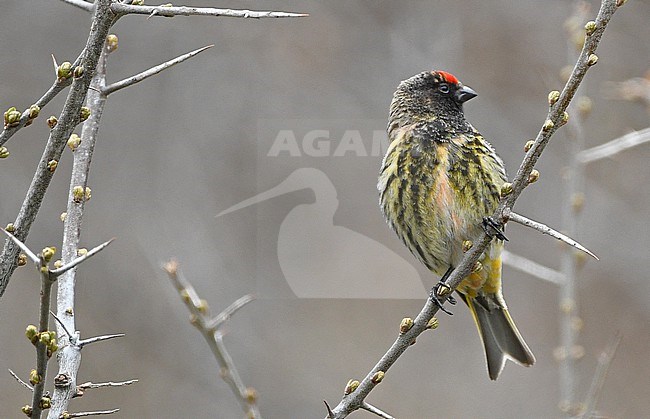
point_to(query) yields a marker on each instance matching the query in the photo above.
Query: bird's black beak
(464, 94)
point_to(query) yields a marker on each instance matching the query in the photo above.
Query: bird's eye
(443, 88)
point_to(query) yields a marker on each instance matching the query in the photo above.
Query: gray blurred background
(180, 148)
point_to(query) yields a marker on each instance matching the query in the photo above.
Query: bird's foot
(493, 229)
(442, 291)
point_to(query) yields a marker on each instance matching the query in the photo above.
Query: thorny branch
(55, 89)
(247, 396)
(41, 337)
(70, 116)
(556, 117)
(170, 11)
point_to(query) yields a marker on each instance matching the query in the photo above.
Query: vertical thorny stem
(70, 356)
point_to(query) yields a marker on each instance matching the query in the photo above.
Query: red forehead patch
(448, 77)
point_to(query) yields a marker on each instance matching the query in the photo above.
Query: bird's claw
(493, 229)
(442, 290)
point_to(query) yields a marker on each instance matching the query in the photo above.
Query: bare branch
(587, 58)
(615, 146)
(83, 342)
(24, 384)
(77, 261)
(200, 319)
(604, 361)
(532, 268)
(372, 409)
(80, 4)
(93, 413)
(125, 9)
(129, 81)
(544, 229)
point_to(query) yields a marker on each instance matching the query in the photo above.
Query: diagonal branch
(544, 229)
(129, 81)
(554, 119)
(125, 9)
(247, 396)
(615, 146)
(58, 85)
(532, 268)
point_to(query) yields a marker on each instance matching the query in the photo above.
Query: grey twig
(93, 413)
(129, 81)
(63, 269)
(125, 9)
(544, 229)
(24, 384)
(372, 409)
(604, 361)
(587, 58)
(80, 4)
(532, 268)
(83, 342)
(615, 146)
(246, 396)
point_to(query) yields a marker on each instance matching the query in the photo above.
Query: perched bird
(439, 181)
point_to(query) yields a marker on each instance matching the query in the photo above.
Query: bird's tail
(500, 336)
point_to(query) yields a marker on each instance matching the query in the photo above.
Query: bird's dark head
(430, 95)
